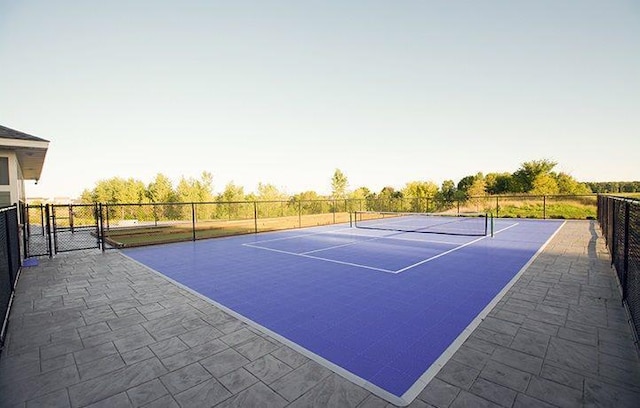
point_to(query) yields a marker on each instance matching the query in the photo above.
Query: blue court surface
(384, 309)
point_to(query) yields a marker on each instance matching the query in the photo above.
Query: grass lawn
(183, 231)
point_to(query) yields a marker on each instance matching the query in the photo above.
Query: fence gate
(37, 230)
(75, 227)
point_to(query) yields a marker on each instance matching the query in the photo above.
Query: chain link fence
(142, 224)
(619, 219)
(9, 261)
(50, 229)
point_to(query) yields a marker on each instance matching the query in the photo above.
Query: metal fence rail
(50, 229)
(9, 261)
(619, 219)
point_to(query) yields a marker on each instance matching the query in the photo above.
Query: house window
(4, 171)
(5, 199)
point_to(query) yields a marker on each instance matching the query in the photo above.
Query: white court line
(338, 231)
(435, 367)
(355, 242)
(424, 261)
(297, 236)
(375, 389)
(306, 254)
(393, 237)
(319, 258)
(340, 246)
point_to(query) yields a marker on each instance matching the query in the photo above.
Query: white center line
(451, 250)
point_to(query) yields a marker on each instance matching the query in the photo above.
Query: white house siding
(16, 185)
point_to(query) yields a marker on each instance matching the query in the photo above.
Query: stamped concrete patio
(89, 329)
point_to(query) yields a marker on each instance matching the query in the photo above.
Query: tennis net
(469, 224)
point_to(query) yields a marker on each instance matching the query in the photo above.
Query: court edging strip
(374, 389)
(419, 385)
(435, 367)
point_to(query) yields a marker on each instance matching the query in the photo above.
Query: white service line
(451, 250)
(339, 231)
(319, 258)
(297, 236)
(340, 246)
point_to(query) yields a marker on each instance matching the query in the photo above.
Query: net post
(491, 214)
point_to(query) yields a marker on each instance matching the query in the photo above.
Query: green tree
(466, 186)
(274, 208)
(196, 190)
(420, 189)
(478, 188)
(309, 202)
(269, 192)
(232, 192)
(528, 172)
(569, 185)
(116, 190)
(421, 192)
(229, 203)
(358, 199)
(476, 194)
(339, 184)
(465, 183)
(447, 195)
(360, 193)
(388, 200)
(86, 197)
(192, 190)
(544, 184)
(499, 183)
(160, 190)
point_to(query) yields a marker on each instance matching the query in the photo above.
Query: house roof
(7, 133)
(30, 151)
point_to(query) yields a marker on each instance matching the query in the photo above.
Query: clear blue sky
(285, 92)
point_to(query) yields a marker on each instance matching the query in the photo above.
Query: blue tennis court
(385, 309)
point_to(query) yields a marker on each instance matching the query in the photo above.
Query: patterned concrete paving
(98, 330)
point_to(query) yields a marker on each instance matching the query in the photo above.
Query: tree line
(535, 177)
(614, 186)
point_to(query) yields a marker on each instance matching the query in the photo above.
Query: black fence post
(48, 209)
(71, 218)
(26, 231)
(334, 211)
(42, 215)
(155, 215)
(193, 221)
(8, 235)
(255, 216)
(107, 212)
(625, 261)
(614, 247)
(101, 227)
